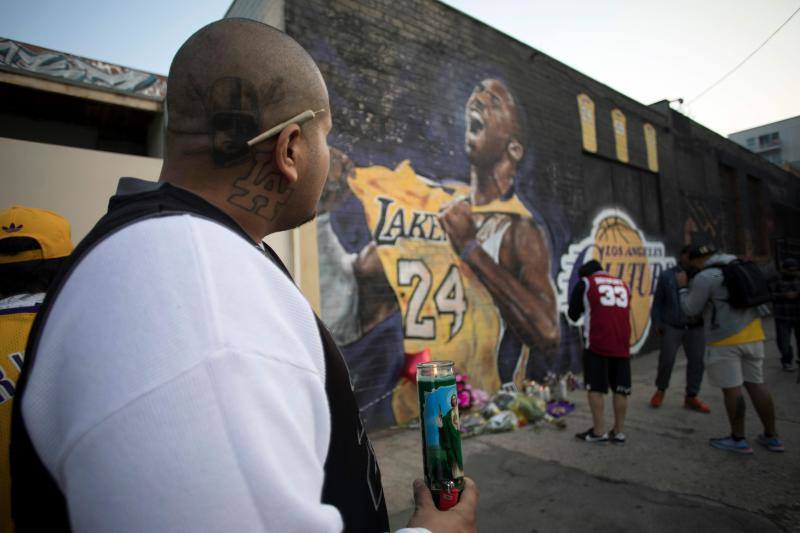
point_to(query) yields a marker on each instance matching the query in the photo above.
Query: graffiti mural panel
(66, 67)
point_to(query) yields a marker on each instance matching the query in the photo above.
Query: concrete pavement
(666, 478)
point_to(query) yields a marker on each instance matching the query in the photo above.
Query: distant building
(70, 126)
(48, 96)
(778, 142)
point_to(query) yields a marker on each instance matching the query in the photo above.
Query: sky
(651, 50)
(646, 49)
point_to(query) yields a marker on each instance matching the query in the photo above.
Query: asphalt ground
(665, 478)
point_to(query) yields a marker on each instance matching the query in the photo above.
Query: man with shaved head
(176, 379)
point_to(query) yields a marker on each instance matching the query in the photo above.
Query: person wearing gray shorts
(734, 357)
(730, 366)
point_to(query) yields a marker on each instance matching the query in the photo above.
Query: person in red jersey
(604, 302)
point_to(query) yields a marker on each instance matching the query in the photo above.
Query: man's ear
(515, 150)
(286, 152)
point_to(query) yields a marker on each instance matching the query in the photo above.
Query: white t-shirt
(185, 394)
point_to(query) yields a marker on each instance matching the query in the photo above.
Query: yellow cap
(48, 229)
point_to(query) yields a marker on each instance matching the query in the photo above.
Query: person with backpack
(729, 293)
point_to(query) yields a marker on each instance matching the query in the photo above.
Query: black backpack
(747, 285)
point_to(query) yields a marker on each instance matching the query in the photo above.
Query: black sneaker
(616, 438)
(589, 436)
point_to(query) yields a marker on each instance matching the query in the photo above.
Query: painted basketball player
(454, 255)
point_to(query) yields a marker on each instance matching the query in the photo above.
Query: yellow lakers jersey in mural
(14, 328)
(444, 305)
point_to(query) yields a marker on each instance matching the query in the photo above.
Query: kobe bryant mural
(456, 268)
(442, 235)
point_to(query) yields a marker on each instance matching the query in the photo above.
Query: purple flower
(464, 399)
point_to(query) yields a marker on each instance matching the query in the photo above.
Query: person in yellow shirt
(734, 348)
(33, 243)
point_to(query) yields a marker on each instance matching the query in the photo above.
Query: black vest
(352, 480)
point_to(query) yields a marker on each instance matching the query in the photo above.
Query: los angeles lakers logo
(622, 249)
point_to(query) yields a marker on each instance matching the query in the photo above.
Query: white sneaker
(589, 436)
(616, 438)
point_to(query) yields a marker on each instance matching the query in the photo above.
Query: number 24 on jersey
(448, 298)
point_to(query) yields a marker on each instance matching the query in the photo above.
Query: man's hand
(456, 219)
(460, 518)
(682, 279)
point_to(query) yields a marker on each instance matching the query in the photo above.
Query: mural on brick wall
(458, 269)
(471, 177)
(417, 266)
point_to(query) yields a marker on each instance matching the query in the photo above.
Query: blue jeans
(694, 345)
(783, 335)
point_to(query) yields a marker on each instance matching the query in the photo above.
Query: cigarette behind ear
(302, 118)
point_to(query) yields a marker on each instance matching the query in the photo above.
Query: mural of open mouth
(475, 122)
